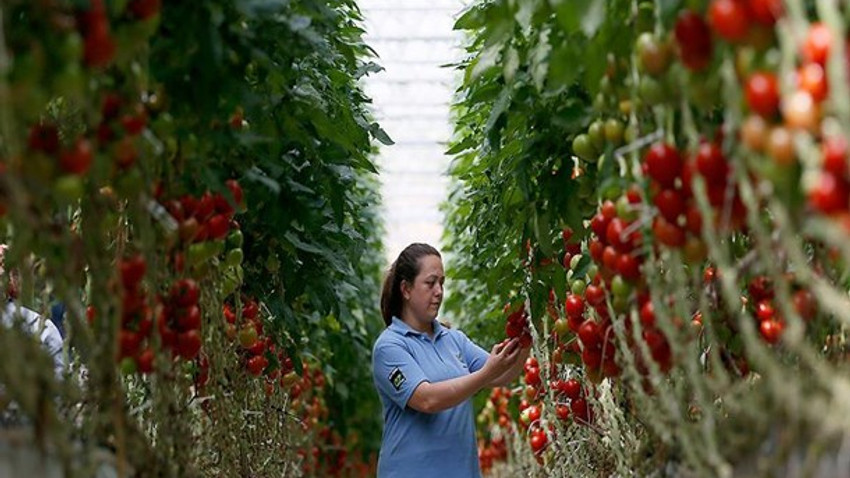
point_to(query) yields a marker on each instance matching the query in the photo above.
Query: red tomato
(762, 93)
(78, 159)
(694, 39)
(185, 292)
(663, 163)
(830, 195)
(188, 344)
(834, 150)
(817, 43)
(811, 78)
(574, 305)
(670, 204)
(712, 164)
(765, 12)
(729, 19)
(132, 270)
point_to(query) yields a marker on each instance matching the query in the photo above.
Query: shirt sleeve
(52, 341)
(474, 355)
(396, 373)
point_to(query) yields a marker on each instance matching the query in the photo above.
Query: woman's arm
(436, 397)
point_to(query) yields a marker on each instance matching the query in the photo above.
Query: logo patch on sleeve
(397, 378)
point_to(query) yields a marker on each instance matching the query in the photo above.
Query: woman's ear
(405, 290)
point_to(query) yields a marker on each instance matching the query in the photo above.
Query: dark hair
(405, 268)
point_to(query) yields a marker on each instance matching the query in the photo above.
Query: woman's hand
(503, 356)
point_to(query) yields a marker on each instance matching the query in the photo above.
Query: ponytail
(405, 268)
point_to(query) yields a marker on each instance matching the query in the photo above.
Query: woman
(426, 374)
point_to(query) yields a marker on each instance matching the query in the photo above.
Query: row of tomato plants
(659, 193)
(193, 182)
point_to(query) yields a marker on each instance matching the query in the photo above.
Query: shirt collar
(400, 327)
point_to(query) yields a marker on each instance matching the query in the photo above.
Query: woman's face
(423, 297)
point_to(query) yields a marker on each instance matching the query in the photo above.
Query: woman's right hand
(503, 356)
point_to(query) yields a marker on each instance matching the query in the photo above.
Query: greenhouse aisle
(413, 39)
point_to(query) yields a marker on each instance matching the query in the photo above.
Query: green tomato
(235, 238)
(272, 263)
(234, 257)
(68, 188)
(625, 209)
(578, 286)
(583, 147)
(596, 133)
(592, 271)
(614, 130)
(620, 287)
(620, 304)
(651, 91)
(127, 366)
(630, 134)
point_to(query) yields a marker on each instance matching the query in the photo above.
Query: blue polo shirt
(417, 444)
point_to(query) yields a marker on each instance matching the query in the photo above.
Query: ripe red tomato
(647, 314)
(629, 267)
(589, 334)
(771, 330)
(99, 47)
(257, 364)
(830, 194)
(250, 310)
(811, 78)
(572, 389)
(835, 148)
(236, 191)
(132, 270)
(712, 164)
(729, 19)
(185, 292)
(538, 441)
(78, 159)
(591, 357)
(765, 310)
(694, 39)
(765, 12)
(670, 204)
(667, 233)
(574, 305)
(189, 318)
(188, 344)
(594, 295)
(663, 163)
(218, 226)
(615, 235)
(562, 412)
(44, 137)
(580, 410)
(762, 93)
(144, 361)
(817, 43)
(805, 304)
(128, 343)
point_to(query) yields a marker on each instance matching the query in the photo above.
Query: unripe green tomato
(630, 134)
(600, 101)
(235, 238)
(68, 188)
(651, 91)
(234, 257)
(127, 366)
(596, 133)
(612, 191)
(620, 303)
(592, 271)
(614, 130)
(71, 50)
(583, 148)
(620, 287)
(625, 210)
(272, 263)
(578, 286)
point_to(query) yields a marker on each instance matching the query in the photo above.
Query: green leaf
(575, 15)
(381, 135)
(472, 19)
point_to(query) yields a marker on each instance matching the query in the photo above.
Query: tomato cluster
(517, 325)
(134, 351)
(179, 320)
